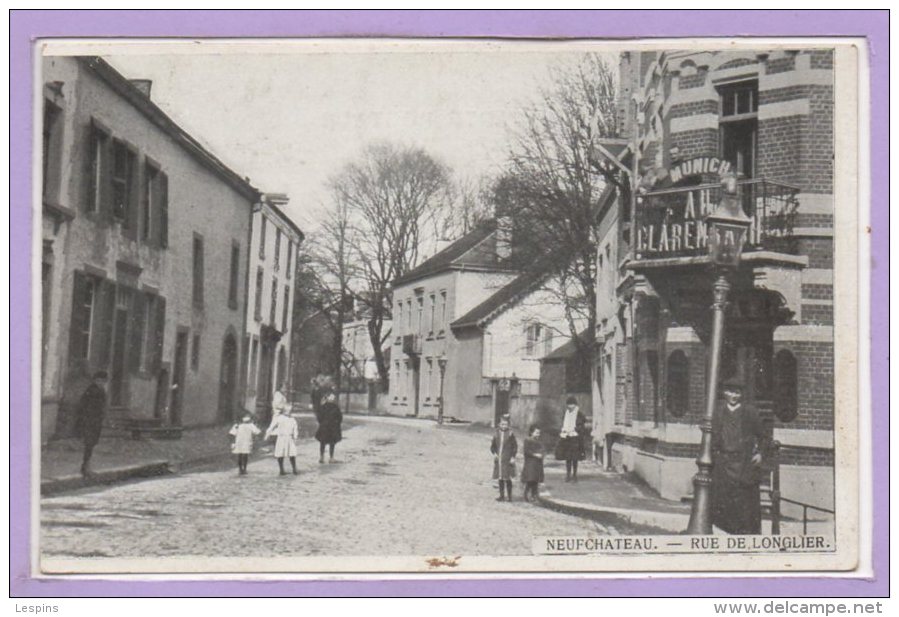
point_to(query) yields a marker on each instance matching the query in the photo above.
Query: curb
(63, 484)
(669, 522)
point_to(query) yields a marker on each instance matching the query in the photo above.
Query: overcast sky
(290, 121)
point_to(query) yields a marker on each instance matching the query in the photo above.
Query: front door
(228, 379)
(178, 377)
(501, 401)
(119, 346)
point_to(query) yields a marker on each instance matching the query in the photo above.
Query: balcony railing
(671, 222)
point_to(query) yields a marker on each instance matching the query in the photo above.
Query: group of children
(504, 448)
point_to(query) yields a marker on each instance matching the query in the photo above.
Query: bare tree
(553, 182)
(467, 203)
(391, 195)
(325, 268)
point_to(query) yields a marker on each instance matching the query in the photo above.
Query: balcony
(670, 223)
(412, 345)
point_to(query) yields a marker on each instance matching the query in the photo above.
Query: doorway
(501, 400)
(228, 378)
(178, 377)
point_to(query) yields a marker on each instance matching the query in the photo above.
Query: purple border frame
(26, 25)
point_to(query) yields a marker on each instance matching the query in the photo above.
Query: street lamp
(441, 362)
(727, 228)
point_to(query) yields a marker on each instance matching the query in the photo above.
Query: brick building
(691, 116)
(144, 256)
(274, 242)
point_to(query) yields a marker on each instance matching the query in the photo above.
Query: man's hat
(100, 375)
(571, 401)
(733, 385)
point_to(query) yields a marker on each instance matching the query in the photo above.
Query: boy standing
(504, 448)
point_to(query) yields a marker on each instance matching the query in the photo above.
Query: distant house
(470, 326)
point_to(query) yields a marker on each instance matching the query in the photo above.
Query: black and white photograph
(459, 306)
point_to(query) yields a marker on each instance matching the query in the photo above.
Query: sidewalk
(608, 496)
(118, 457)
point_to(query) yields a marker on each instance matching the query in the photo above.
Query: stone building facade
(689, 117)
(144, 257)
(274, 242)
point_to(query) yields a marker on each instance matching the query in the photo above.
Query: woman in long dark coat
(329, 432)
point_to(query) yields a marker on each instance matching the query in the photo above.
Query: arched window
(678, 383)
(785, 386)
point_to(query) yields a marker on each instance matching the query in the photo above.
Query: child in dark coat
(532, 472)
(504, 448)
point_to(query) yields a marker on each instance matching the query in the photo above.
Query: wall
(275, 267)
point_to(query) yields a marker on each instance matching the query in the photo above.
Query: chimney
(503, 236)
(144, 85)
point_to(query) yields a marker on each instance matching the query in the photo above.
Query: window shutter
(87, 169)
(163, 210)
(77, 340)
(136, 330)
(159, 334)
(106, 164)
(101, 328)
(132, 215)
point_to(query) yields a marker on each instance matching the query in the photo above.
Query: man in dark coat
(739, 444)
(90, 413)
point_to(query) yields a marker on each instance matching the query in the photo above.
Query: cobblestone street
(397, 487)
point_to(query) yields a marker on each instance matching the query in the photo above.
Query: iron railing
(775, 498)
(671, 222)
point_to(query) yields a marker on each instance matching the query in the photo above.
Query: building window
(234, 279)
(738, 126)
(122, 181)
(273, 307)
(284, 307)
(785, 386)
(195, 353)
(409, 316)
(432, 310)
(257, 300)
(678, 394)
(262, 236)
(399, 318)
(442, 311)
(420, 301)
(254, 356)
(277, 248)
(428, 379)
(52, 150)
(198, 281)
(533, 335)
(83, 307)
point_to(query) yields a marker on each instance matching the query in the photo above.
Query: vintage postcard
(417, 306)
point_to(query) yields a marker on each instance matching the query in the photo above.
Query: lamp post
(441, 362)
(727, 228)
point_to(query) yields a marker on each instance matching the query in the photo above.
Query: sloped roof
(142, 103)
(507, 295)
(563, 352)
(459, 253)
